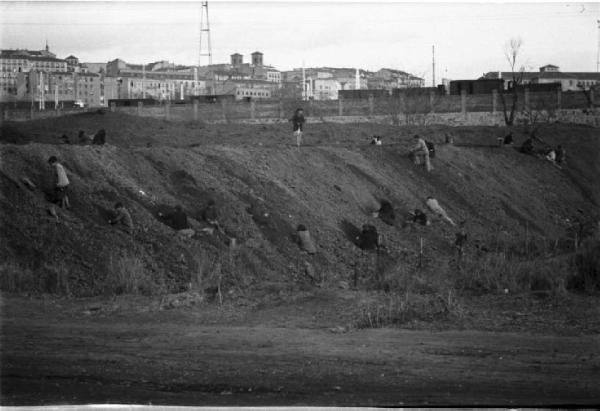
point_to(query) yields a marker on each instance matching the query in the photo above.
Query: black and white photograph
(299, 205)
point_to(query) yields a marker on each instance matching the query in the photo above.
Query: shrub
(401, 308)
(494, 272)
(127, 275)
(15, 278)
(586, 267)
(50, 278)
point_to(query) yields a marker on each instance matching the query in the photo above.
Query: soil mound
(264, 187)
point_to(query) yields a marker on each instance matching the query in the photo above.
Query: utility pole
(42, 85)
(598, 52)
(303, 82)
(433, 69)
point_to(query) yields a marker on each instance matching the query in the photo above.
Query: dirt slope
(265, 187)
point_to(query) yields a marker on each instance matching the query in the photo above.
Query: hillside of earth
(526, 218)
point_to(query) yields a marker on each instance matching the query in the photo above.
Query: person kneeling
(179, 222)
(123, 217)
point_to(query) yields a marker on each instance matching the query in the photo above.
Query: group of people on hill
(177, 219)
(369, 239)
(421, 153)
(555, 155)
(96, 139)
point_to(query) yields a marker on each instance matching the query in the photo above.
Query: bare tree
(511, 52)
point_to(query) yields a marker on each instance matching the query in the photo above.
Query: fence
(421, 108)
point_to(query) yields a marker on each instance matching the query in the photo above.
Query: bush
(495, 272)
(402, 308)
(127, 275)
(14, 278)
(586, 267)
(50, 278)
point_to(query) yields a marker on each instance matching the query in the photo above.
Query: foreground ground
(59, 352)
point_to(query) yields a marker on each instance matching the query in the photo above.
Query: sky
(469, 38)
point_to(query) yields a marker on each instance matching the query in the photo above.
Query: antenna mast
(205, 32)
(205, 28)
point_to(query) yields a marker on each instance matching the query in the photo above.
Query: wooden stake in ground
(420, 252)
(527, 238)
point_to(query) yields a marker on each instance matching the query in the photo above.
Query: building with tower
(257, 58)
(237, 59)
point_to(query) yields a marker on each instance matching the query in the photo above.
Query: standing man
(298, 123)
(420, 153)
(61, 183)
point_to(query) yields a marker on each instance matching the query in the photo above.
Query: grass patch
(586, 267)
(128, 275)
(50, 278)
(395, 309)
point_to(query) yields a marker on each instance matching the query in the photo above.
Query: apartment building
(41, 88)
(13, 62)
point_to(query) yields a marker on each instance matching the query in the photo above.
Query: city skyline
(292, 34)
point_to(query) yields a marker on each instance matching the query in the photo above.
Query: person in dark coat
(122, 216)
(508, 139)
(368, 238)
(560, 155)
(386, 212)
(460, 239)
(178, 221)
(419, 217)
(527, 146)
(99, 138)
(298, 121)
(83, 139)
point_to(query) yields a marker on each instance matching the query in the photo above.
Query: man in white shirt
(62, 183)
(420, 153)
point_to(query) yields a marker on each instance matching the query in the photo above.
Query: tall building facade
(15, 62)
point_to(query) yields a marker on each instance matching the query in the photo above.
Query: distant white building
(550, 74)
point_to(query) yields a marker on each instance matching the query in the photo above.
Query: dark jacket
(298, 121)
(209, 214)
(420, 217)
(368, 238)
(178, 220)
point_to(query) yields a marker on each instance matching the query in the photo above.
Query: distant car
(79, 104)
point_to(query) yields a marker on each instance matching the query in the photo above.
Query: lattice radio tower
(205, 51)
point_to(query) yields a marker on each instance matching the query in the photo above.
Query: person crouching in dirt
(527, 147)
(210, 215)
(420, 153)
(179, 222)
(61, 183)
(376, 141)
(560, 155)
(437, 209)
(83, 139)
(123, 217)
(298, 121)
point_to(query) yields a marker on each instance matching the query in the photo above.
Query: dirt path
(54, 356)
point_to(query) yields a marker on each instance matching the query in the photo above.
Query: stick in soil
(526, 239)
(421, 252)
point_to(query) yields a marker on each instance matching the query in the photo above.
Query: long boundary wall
(420, 109)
